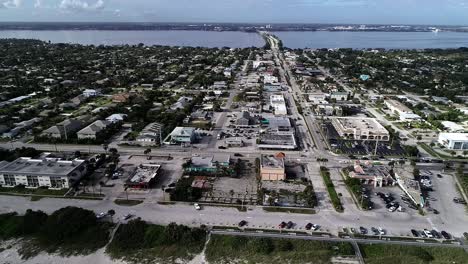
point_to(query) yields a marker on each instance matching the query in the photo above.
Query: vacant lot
(228, 249)
(390, 254)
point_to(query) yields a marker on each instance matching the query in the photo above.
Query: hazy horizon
(385, 12)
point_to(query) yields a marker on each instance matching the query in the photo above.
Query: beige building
(397, 107)
(360, 128)
(272, 167)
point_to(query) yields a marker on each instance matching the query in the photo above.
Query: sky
(434, 12)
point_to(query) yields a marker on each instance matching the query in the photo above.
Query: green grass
(125, 202)
(335, 199)
(289, 210)
(228, 249)
(390, 254)
(37, 191)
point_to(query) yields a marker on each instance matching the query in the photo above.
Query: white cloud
(81, 5)
(12, 3)
(38, 4)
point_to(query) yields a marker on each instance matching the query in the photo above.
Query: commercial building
(272, 168)
(455, 141)
(279, 134)
(339, 96)
(452, 127)
(182, 135)
(369, 173)
(397, 107)
(209, 163)
(359, 128)
(143, 177)
(278, 104)
(150, 135)
(49, 172)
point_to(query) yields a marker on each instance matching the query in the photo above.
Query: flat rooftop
(270, 161)
(400, 106)
(455, 136)
(40, 167)
(363, 123)
(144, 174)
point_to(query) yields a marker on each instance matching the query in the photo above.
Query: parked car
(459, 200)
(446, 235)
(282, 225)
(308, 226)
(363, 230)
(197, 206)
(415, 233)
(428, 233)
(101, 215)
(315, 227)
(242, 223)
(375, 231)
(289, 225)
(381, 231)
(435, 233)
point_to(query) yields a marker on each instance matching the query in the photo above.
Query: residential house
(93, 130)
(63, 130)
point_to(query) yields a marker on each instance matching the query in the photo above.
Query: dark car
(289, 225)
(439, 176)
(435, 211)
(435, 233)
(459, 201)
(465, 235)
(242, 223)
(415, 233)
(375, 230)
(363, 230)
(308, 226)
(282, 225)
(222, 147)
(237, 155)
(446, 235)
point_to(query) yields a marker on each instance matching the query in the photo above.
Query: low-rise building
(272, 168)
(91, 93)
(182, 135)
(454, 141)
(339, 96)
(369, 173)
(397, 107)
(116, 118)
(93, 130)
(151, 134)
(209, 163)
(453, 127)
(360, 128)
(48, 172)
(278, 104)
(63, 130)
(143, 177)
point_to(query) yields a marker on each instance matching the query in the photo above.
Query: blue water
(360, 40)
(133, 37)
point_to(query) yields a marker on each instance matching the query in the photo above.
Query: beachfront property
(48, 172)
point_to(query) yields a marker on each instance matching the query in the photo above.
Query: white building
(359, 128)
(116, 118)
(279, 104)
(409, 117)
(397, 107)
(49, 172)
(452, 126)
(91, 93)
(455, 141)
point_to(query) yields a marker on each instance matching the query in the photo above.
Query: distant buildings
(359, 128)
(272, 168)
(454, 141)
(48, 172)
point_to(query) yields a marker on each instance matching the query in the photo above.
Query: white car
(197, 206)
(101, 215)
(381, 231)
(428, 233)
